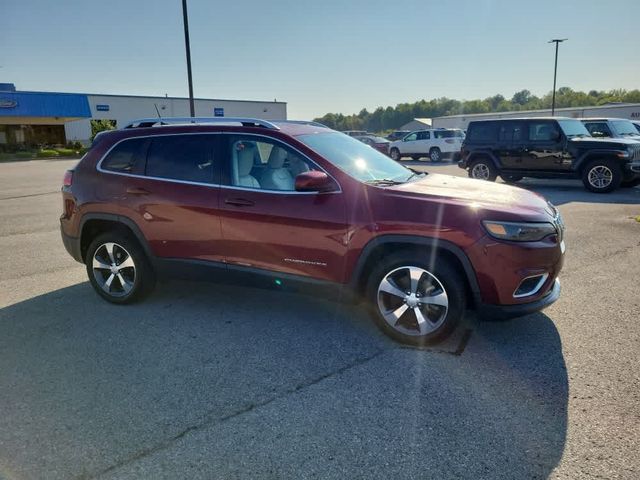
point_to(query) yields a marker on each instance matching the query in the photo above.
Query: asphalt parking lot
(227, 382)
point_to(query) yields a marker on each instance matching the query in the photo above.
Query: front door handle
(239, 202)
(137, 191)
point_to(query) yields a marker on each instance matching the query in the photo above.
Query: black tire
(435, 155)
(511, 178)
(484, 165)
(446, 278)
(140, 279)
(394, 153)
(601, 176)
(630, 183)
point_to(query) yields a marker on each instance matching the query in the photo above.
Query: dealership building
(630, 111)
(28, 117)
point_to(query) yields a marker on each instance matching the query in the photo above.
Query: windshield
(356, 158)
(624, 127)
(574, 128)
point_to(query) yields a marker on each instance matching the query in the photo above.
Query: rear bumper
(72, 245)
(504, 312)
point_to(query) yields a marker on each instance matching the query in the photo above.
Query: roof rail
(304, 122)
(157, 122)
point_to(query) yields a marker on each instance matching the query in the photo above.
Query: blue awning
(40, 104)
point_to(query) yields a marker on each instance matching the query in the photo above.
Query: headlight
(519, 232)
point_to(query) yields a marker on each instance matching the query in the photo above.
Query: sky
(319, 56)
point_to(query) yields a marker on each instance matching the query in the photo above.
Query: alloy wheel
(114, 269)
(412, 301)
(480, 171)
(600, 176)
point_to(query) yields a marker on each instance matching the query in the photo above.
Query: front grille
(634, 152)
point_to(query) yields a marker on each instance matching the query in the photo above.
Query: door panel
(280, 230)
(511, 144)
(178, 207)
(544, 149)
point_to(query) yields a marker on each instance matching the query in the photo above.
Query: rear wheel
(483, 169)
(601, 176)
(118, 268)
(413, 302)
(395, 154)
(435, 154)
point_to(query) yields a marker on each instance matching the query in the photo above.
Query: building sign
(102, 108)
(8, 103)
(635, 114)
(218, 112)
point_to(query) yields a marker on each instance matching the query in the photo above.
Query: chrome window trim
(213, 185)
(536, 289)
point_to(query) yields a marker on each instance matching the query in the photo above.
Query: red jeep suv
(293, 204)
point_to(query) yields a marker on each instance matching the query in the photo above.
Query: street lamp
(185, 20)
(555, 71)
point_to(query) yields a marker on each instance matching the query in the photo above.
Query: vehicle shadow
(560, 192)
(228, 381)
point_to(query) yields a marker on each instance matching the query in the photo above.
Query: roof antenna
(158, 112)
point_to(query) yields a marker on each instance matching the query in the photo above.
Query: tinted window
(543, 131)
(424, 135)
(447, 133)
(181, 157)
(598, 129)
(510, 132)
(482, 132)
(411, 137)
(124, 156)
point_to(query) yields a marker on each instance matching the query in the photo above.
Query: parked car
(356, 133)
(435, 143)
(379, 143)
(398, 135)
(285, 205)
(549, 148)
(611, 128)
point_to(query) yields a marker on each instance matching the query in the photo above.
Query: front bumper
(504, 312)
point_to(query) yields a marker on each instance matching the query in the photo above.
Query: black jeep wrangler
(549, 148)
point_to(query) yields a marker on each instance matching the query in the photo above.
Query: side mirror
(314, 181)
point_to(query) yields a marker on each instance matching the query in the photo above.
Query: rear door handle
(137, 191)
(239, 202)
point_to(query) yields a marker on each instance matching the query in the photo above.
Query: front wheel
(483, 169)
(415, 303)
(601, 176)
(118, 268)
(395, 154)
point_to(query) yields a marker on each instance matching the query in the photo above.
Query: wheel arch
(379, 247)
(473, 156)
(93, 224)
(588, 157)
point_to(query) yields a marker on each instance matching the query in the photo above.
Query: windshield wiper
(382, 181)
(415, 174)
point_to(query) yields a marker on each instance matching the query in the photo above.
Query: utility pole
(185, 20)
(555, 72)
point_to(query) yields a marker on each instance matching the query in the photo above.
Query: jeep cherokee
(295, 204)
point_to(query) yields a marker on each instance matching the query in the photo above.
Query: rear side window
(510, 132)
(447, 133)
(424, 135)
(482, 132)
(181, 157)
(125, 155)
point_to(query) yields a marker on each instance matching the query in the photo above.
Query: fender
(124, 221)
(483, 153)
(593, 154)
(427, 242)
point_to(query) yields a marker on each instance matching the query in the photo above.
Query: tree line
(389, 118)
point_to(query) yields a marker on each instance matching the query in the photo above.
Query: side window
(484, 132)
(411, 137)
(510, 132)
(598, 129)
(264, 164)
(543, 131)
(181, 157)
(125, 156)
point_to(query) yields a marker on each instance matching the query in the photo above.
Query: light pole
(555, 72)
(185, 20)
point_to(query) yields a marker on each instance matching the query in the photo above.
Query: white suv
(435, 143)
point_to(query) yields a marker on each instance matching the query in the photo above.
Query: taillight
(67, 180)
